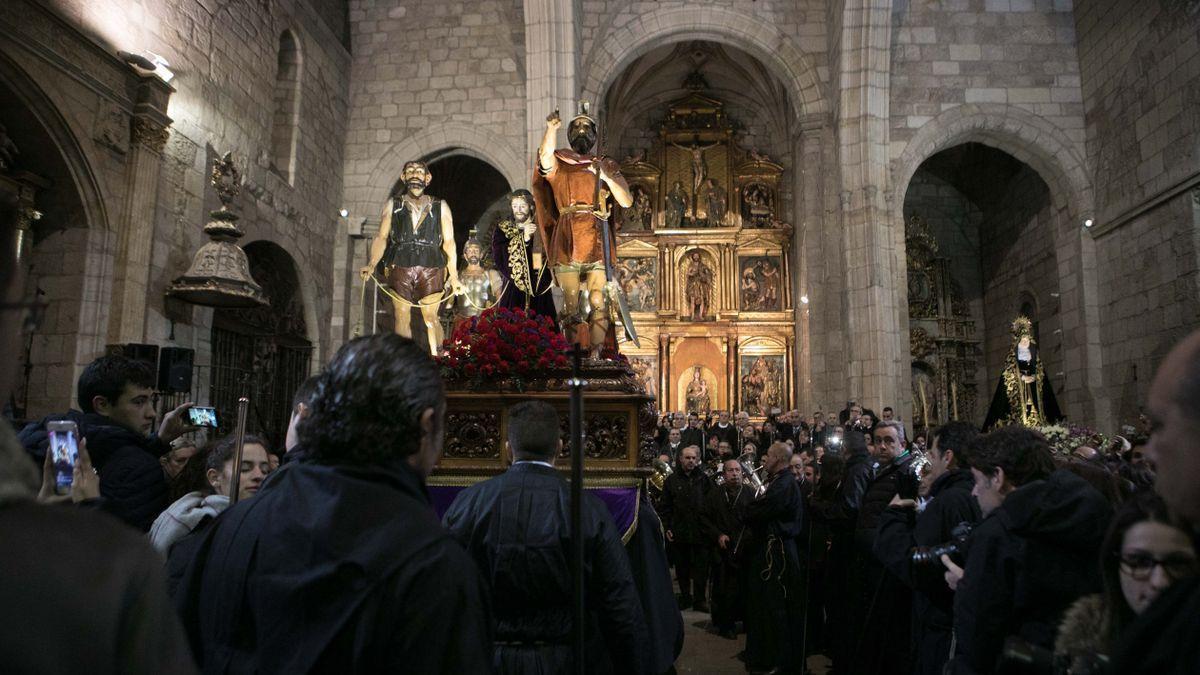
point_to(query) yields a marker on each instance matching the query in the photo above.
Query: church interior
(889, 203)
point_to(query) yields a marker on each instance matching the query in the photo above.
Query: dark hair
(957, 436)
(107, 377)
(887, 408)
(833, 468)
(193, 477)
(222, 451)
(1022, 452)
(1146, 506)
(533, 430)
(305, 392)
(369, 400)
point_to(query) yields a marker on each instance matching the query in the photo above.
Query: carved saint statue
(643, 368)
(639, 217)
(714, 196)
(414, 254)
(698, 286)
(769, 273)
(519, 253)
(480, 285)
(677, 206)
(572, 189)
(751, 291)
(698, 399)
(1023, 395)
(699, 168)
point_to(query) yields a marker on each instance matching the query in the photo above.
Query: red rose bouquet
(502, 344)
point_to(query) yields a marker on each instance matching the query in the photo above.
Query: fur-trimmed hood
(1084, 628)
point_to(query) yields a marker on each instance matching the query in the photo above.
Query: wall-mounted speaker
(175, 370)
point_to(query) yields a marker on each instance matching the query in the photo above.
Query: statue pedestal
(619, 426)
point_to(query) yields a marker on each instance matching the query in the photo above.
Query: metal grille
(263, 368)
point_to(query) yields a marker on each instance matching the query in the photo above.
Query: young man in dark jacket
(902, 529)
(1032, 555)
(116, 397)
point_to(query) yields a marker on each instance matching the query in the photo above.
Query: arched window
(286, 119)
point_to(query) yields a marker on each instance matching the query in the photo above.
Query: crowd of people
(834, 535)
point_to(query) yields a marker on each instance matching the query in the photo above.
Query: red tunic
(565, 197)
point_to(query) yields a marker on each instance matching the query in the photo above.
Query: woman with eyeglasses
(1144, 552)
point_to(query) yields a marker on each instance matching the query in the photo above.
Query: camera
(930, 555)
(1020, 656)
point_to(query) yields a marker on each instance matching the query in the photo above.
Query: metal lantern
(220, 274)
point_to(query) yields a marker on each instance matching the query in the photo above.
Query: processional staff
(243, 406)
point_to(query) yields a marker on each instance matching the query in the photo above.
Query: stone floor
(706, 653)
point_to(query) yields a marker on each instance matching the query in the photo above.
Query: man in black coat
(672, 446)
(116, 395)
(881, 603)
(721, 522)
(902, 529)
(1165, 639)
(1032, 555)
(774, 587)
(694, 433)
(724, 429)
(517, 527)
(683, 496)
(339, 562)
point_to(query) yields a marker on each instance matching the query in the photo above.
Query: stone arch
(1018, 132)
(617, 47)
(435, 141)
(31, 96)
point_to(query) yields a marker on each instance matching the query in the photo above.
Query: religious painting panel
(760, 283)
(698, 281)
(763, 380)
(638, 277)
(645, 368)
(697, 389)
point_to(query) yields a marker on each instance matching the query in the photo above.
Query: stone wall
(223, 57)
(1140, 66)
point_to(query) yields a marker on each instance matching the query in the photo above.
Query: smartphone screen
(64, 453)
(203, 417)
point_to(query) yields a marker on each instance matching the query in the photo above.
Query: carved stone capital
(149, 134)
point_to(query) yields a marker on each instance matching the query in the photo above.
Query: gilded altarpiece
(704, 258)
(942, 340)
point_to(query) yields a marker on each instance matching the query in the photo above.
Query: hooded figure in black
(723, 529)
(517, 527)
(1033, 554)
(903, 528)
(339, 563)
(881, 603)
(1023, 395)
(774, 587)
(116, 397)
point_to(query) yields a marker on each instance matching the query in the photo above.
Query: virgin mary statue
(1023, 395)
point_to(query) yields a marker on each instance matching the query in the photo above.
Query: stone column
(551, 65)
(135, 230)
(874, 317)
(664, 370)
(809, 223)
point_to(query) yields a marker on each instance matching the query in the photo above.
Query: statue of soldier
(415, 254)
(565, 189)
(480, 286)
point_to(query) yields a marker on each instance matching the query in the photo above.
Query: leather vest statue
(419, 247)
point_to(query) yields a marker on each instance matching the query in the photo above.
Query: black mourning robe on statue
(774, 615)
(335, 569)
(1002, 408)
(516, 526)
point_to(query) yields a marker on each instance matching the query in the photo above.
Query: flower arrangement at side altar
(504, 344)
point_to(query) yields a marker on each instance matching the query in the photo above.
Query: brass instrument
(751, 474)
(662, 471)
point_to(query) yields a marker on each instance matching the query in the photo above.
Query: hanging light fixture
(220, 274)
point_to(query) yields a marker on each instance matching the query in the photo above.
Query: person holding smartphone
(117, 417)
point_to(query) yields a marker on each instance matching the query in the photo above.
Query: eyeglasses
(1140, 566)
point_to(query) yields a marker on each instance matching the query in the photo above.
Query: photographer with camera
(912, 536)
(1031, 556)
